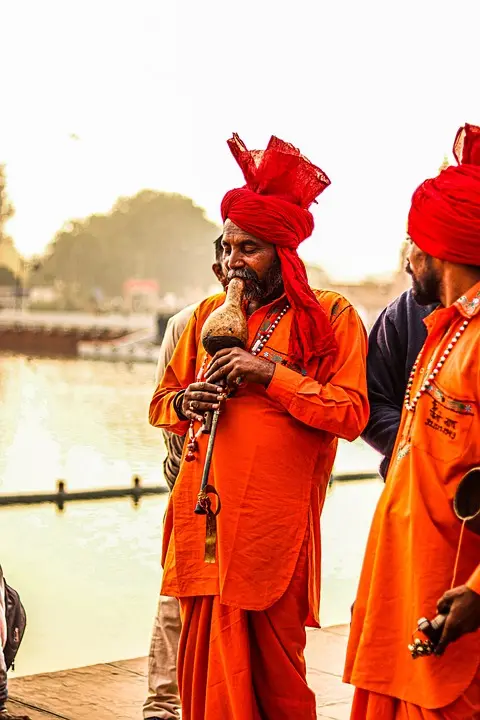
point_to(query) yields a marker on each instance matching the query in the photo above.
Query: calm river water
(89, 577)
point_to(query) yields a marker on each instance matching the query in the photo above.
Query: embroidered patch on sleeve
(470, 307)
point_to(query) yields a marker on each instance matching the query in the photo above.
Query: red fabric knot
(444, 219)
(280, 170)
(281, 184)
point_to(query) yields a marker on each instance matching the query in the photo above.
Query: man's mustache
(243, 274)
(408, 269)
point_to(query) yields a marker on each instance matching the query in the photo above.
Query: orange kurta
(274, 453)
(413, 542)
(368, 705)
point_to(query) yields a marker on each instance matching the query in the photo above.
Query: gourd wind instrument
(226, 327)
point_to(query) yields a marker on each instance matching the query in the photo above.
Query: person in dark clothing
(394, 343)
(4, 713)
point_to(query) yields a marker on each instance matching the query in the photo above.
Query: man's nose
(408, 256)
(235, 261)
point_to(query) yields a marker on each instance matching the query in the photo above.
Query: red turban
(444, 220)
(281, 184)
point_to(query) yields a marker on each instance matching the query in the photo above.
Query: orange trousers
(372, 706)
(243, 665)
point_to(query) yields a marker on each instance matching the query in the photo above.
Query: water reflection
(85, 422)
(89, 577)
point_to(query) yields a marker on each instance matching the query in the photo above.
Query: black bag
(16, 624)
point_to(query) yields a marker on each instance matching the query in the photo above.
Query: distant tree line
(6, 211)
(6, 207)
(153, 235)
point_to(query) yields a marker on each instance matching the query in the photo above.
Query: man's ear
(218, 272)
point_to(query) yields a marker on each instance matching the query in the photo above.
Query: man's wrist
(268, 373)
(178, 403)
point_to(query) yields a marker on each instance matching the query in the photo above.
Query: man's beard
(265, 290)
(425, 290)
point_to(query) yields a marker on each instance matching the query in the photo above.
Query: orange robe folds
(273, 457)
(372, 706)
(246, 664)
(368, 705)
(410, 556)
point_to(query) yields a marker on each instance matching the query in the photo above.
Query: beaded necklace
(261, 339)
(427, 383)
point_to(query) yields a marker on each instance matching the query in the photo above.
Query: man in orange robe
(415, 564)
(299, 385)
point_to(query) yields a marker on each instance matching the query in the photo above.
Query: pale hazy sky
(372, 91)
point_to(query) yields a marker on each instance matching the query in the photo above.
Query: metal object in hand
(432, 630)
(200, 509)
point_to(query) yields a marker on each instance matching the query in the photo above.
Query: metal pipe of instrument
(226, 327)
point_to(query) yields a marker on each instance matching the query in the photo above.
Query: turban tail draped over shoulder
(281, 184)
(444, 219)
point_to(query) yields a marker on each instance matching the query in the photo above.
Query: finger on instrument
(204, 387)
(225, 372)
(215, 365)
(220, 358)
(202, 406)
(193, 416)
(449, 634)
(221, 353)
(443, 605)
(204, 397)
(232, 376)
(445, 602)
(220, 373)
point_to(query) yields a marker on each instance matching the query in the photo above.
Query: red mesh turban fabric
(273, 205)
(444, 220)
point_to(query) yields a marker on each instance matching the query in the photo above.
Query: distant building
(317, 277)
(140, 295)
(43, 295)
(369, 297)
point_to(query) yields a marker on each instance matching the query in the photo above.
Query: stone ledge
(116, 690)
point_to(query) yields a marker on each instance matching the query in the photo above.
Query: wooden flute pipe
(226, 327)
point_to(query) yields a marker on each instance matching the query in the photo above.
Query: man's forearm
(382, 428)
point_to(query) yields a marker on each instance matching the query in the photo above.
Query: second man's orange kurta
(273, 457)
(411, 551)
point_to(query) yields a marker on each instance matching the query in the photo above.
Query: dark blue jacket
(394, 343)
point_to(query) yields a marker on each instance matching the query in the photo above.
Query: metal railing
(61, 495)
